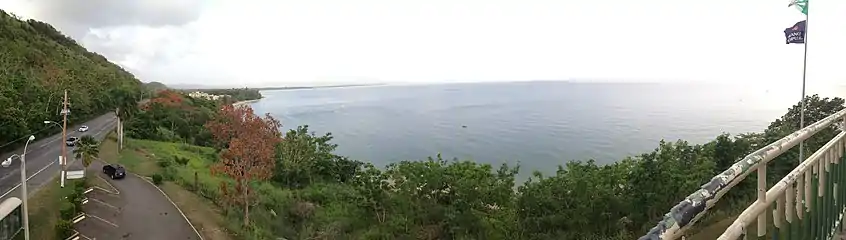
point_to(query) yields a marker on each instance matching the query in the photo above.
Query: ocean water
(537, 124)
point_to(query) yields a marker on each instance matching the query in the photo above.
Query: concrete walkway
(136, 210)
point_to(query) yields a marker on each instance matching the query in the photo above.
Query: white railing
(795, 198)
(682, 216)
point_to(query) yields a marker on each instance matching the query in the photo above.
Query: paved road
(42, 157)
(139, 211)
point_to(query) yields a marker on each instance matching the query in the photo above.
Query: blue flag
(795, 34)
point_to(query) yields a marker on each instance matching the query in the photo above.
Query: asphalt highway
(42, 157)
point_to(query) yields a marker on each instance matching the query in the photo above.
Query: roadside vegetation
(44, 215)
(298, 188)
(38, 64)
(238, 177)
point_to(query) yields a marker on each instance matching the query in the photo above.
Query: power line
(24, 137)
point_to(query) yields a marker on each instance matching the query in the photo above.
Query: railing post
(838, 193)
(789, 211)
(800, 206)
(806, 223)
(762, 198)
(778, 217)
(825, 175)
(838, 179)
(832, 184)
(817, 202)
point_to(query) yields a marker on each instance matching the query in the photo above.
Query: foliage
(64, 229)
(173, 117)
(157, 179)
(315, 193)
(38, 63)
(251, 143)
(235, 94)
(306, 158)
(70, 207)
(87, 149)
(817, 109)
(154, 87)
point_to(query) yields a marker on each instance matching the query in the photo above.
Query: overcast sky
(279, 42)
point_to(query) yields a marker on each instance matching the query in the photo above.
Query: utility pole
(119, 130)
(64, 160)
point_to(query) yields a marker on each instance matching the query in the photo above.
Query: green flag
(802, 5)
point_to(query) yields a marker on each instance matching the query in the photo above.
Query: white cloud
(277, 42)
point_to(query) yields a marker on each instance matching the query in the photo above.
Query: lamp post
(52, 122)
(8, 163)
(64, 153)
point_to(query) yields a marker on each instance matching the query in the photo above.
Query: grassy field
(143, 158)
(44, 210)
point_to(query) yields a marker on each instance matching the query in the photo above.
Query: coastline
(239, 103)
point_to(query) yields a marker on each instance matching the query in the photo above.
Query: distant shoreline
(239, 103)
(317, 87)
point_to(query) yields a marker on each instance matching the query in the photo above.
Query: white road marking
(105, 204)
(108, 124)
(80, 218)
(86, 237)
(115, 192)
(33, 175)
(104, 220)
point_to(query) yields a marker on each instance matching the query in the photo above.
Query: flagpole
(804, 76)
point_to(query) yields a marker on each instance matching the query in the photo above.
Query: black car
(114, 171)
(72, 141)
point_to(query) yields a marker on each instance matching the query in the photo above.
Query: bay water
(539, 125)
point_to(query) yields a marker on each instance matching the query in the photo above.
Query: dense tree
(316, 193)
(306, 158)
(236, 94)
(817, 108)
(324, 195)
(251, 143)
(172, 116)
(37, 65)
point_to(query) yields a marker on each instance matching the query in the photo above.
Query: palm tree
(88, 149)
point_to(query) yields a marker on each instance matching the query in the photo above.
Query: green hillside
(38, 63)
(154, 87)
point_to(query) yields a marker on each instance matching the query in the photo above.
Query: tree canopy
(315, 193)
(37, 65)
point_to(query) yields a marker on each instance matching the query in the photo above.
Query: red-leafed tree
(249, 144)
(166, 98)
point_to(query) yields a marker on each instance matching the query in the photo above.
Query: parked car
(114, 171)
(72, 141)
(83, 128)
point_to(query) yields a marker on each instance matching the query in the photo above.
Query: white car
(83, 128)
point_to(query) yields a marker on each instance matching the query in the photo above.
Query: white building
(199, 94)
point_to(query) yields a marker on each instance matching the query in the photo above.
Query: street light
(8, 163)
(49, 122)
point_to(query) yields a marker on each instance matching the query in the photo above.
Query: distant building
(203, 95)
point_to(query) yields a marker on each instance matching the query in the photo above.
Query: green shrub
(157, 179)
(64, 228)
(169, 174)
(163, 163)
(67, 210)
(80, 185)
(181, 160)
